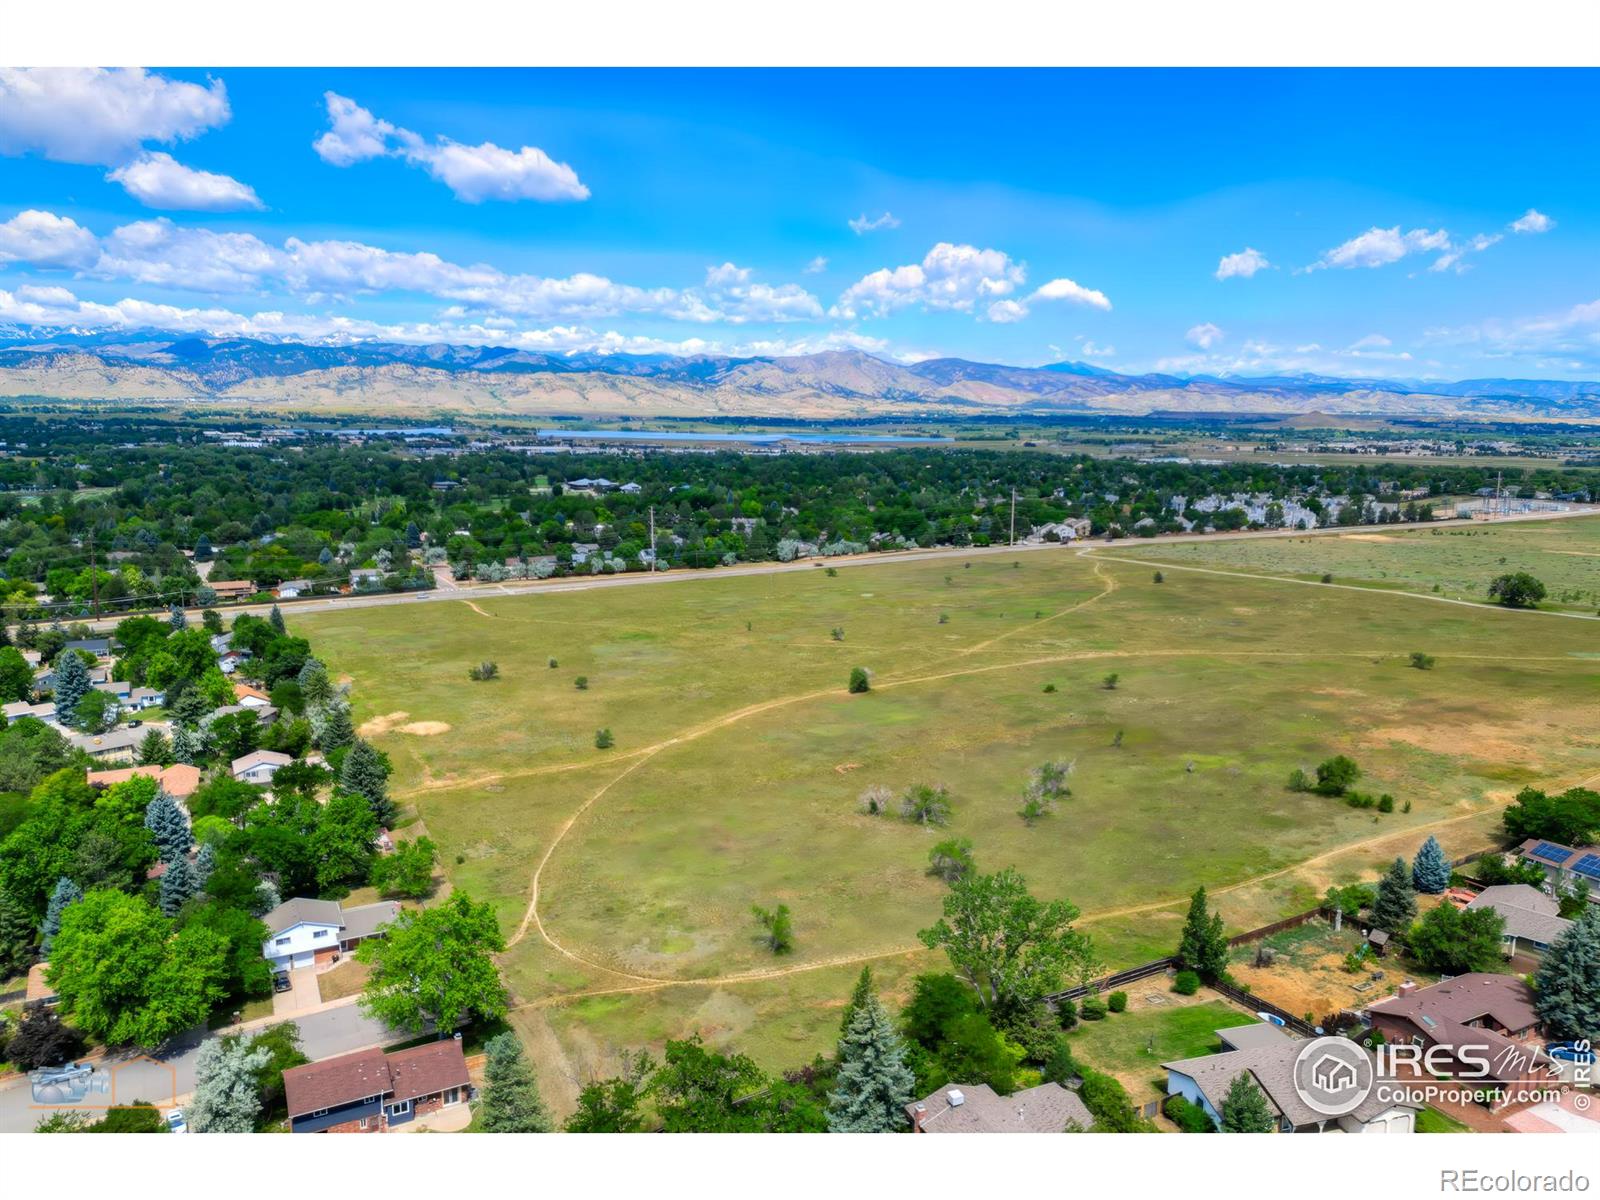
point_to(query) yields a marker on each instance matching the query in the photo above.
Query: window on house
(321, 1112)
(283, 941)
(320, 933)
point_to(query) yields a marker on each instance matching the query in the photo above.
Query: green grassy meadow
(1456, 562)
(739, 759)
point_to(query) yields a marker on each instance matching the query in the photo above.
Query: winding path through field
(532, 918)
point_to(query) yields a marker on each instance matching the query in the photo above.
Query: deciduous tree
(437, 966)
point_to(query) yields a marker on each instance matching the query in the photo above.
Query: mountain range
(485, 380)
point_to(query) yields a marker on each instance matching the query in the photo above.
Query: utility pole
(1013, 516)
(94, 577)
(652, 539)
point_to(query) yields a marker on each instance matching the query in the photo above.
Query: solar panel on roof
(1552, 852)
(1588, 865)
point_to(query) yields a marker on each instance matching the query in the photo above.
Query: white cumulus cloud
(949, 277)
(816, 266)
(1204, 335)
(1532, 221)
(865, 224)
(1242, 265)
(1066, 289)
(1380, 247)
(42, 239)
(101, 117)
(474, 173)
(157, 180)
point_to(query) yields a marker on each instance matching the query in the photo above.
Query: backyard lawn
(1132, 1045)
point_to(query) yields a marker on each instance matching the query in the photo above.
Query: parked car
(280, 982)
(176, 1122)
(134, 724)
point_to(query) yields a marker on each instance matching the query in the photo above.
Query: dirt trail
(1091, 553)
(1107, 586)
(479, 611)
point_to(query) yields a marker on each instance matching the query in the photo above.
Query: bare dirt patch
(843, 767)
(1368, 537)
(1494, 741)
(382, 724)
(425, 728)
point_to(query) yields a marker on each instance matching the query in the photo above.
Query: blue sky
(1430, 223)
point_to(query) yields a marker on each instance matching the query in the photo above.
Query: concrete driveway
(303, 993)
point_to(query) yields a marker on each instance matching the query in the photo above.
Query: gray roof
(1043, 1109)
(361, 921)
(1528, 912)
(300, 909)
(1250, 1037)
(116, 739)
(1272, 1068)
(364, 920)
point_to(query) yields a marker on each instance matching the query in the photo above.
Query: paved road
(159, 1080)
(471, 591)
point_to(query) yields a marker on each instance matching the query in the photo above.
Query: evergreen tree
(1203, 948)
(314, 683)
(1568, 996)
(66, 892)
(177, 885)
(863, 990)
(874, 1083)
(275, 619)
(337, 728)
(202, 549)
(71, 685)
(176, 619)
(185, 746)
(1244, 1108)
(366, 773)
(511, 1100)
(1430, 870)
(16, 937)
(205, 862)
(1396, 905)
(170, 828)
(227, 1088)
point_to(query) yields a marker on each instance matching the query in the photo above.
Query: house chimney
(919, 1114)
(955, 1097)
(1409, 986)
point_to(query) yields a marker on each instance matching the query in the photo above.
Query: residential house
(265, 714)
(1565, 866)
(975, 1108)
(99, 647)
(45, 712)
(220, 642)
(1533, 920)
(582, 550)
(113, 746)
(250, 697)
(314, 933)
(1469, 1018)
(290, 589)
(232, 589)
(630, 489)
(259, 766)
(366, 578)
(141, 698)
(180, 781)
(1270, 1063)
(373, 1092)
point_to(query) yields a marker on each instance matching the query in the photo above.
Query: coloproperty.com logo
(1334, 1076)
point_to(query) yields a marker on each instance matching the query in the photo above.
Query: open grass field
(624, 877)
(1457, 562)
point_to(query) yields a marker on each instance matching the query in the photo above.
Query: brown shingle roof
(424, 1070)
(1043, 1109)
(347, 1079)
(1503, 999)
